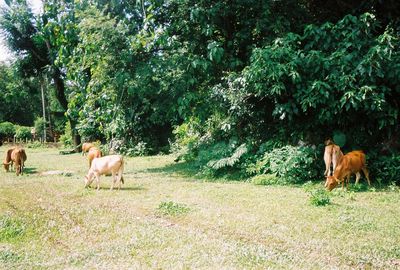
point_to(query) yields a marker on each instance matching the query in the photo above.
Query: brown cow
(18, 157)
(94, 152)
(351, 163)
(86, 147)
(7, 160)
(332, 155)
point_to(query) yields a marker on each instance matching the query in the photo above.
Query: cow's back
(357, 161)
(106, 164)
(352, 162)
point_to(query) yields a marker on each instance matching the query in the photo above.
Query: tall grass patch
(11, 228)
(172, 209)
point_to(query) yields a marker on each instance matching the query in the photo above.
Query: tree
(19, 99)
(35, 41)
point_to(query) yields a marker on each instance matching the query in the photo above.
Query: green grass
(169, 219)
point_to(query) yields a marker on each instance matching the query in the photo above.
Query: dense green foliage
(7, 131)
(19, 101)
(23, 133)
(246, 87)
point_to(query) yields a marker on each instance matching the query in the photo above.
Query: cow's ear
(337, 180)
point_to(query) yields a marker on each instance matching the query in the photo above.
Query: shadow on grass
(30, 170)
(182, 168)
(136, 188)
(189, 170)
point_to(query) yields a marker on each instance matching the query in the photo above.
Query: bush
(265, 179)
(220, 158)
(66, 138)
(319, 197)
(35, 144)
(385, 169)
(7, 131)
(39, 126)
(140, 149)
(293, 164)
(23, 133)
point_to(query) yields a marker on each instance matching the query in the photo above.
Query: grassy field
(163, 219)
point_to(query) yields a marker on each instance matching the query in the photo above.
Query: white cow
(113, 164)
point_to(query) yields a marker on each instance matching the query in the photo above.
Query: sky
(5, 54)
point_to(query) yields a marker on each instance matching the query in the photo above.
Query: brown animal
(332, 155)
(351, 163)
(86, 147)
(94, 152)
(18, 157)
(7, 160)
(113, 164)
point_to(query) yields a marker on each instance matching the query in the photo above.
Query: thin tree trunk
(43, 107)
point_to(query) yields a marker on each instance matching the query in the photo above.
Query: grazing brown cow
(18, 157)
(351, 163)
(86, 147)
(94, 152)
(332, 155)
(7, 160)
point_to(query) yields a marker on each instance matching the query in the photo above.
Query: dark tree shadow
(135, 188)
(184, 169)
(192, 173)
(30, 170)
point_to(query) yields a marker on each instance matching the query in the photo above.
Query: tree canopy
(213, 73)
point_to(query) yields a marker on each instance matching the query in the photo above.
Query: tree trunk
(60, 94)
(76, 138)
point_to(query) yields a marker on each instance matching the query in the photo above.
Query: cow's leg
(327, 160)
(334, 164)
(98, 181)
(347, 181)
(327, 166)
(366, 173)
(113, 181)
(358, 175)
(119, 176)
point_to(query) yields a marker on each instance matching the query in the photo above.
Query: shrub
(319, 197)
(220, 158)
(293, 164)
(66, 138)
(7, 130)
(265, 179)
(385, 169)
(35, 144)
(23, 133)
(39, 126)
(140, 149)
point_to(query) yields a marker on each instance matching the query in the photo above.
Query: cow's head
(88, 179)
(7, 165)
(331, 182)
